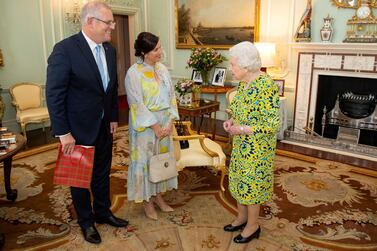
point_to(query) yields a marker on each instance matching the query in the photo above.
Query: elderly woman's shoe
(240, 239)
(231, 228)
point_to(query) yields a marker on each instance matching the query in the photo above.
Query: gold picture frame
(203, 24)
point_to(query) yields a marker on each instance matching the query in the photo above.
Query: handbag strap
(157, 147)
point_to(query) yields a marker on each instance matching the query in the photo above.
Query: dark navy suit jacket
(75, 96)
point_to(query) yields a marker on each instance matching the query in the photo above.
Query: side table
(215, 90)
(7, 161)
(203, 107)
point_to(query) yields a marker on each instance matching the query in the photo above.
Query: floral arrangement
(204, 59)
(184, 86)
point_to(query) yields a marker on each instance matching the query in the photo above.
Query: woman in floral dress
(153, 109)
(254, 124)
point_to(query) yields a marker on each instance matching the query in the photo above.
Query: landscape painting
(216, 23)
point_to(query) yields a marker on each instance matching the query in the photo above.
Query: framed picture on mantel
(202, 23)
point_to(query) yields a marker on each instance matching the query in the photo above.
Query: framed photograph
(205, 24)
(196, 76)
(280, 83)
(219, 76)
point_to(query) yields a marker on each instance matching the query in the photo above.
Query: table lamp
(267, 52)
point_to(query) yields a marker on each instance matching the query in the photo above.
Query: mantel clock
(362, 27)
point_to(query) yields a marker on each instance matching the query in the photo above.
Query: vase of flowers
(184, 89)
(203, 60)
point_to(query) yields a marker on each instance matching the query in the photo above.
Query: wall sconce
(73, 10)
(267, 52)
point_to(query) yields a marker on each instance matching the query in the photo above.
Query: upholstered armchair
(202, 151)
(28, 100)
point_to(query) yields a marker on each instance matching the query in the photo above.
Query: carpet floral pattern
(329, 205)
(317, 205)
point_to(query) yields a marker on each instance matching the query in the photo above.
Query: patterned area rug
(317, 205)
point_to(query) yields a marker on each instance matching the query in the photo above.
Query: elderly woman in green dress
(254, 124)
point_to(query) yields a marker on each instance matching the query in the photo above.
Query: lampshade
(267, 52)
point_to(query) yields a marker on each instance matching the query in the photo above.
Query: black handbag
(181, 132)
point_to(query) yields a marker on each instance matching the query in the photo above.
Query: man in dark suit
(81, 93)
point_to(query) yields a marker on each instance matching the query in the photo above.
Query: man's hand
(68, 143)
(113, 127)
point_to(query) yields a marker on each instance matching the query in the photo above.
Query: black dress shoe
(240, 239)
(231, 228)
(91, 235)
(112, 221)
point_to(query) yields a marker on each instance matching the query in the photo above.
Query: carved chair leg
(222, 170)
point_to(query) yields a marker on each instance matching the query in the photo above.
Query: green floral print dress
(252, 160)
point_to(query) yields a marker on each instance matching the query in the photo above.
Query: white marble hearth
(332, 150)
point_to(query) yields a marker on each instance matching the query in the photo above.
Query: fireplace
(347, 102)
(325, 71)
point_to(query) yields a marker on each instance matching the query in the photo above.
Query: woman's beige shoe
(162, 205)
(150, 211)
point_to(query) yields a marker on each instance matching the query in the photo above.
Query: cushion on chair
(31, 115)
(196, 156)
(27, 96)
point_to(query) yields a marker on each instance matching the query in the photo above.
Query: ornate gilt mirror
(353, 3)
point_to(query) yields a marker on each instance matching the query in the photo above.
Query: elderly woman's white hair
(92, 9)
(247, 56)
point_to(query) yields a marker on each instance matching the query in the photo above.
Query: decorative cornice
(130, 3)
(338, 47)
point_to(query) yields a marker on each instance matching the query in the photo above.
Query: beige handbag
(162, 166)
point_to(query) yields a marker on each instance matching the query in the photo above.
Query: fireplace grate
(357, 106)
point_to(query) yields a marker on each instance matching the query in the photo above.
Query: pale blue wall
(21, 42)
